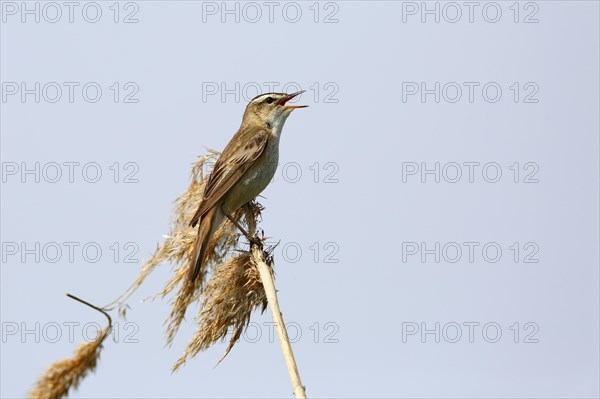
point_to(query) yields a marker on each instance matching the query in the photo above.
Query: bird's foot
(255, 240)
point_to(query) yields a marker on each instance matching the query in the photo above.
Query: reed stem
(267, 281)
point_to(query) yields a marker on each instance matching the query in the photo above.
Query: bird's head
(271, 108)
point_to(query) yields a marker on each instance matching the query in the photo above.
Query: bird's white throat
(277, 122)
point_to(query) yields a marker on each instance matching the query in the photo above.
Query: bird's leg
(254, 240)
(239, 226)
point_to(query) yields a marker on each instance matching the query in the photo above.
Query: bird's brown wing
(241, 152)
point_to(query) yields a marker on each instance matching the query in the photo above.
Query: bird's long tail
(209, 223)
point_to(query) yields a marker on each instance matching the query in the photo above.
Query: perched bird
(244, 169)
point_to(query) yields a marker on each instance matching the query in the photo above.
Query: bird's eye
(270, 100)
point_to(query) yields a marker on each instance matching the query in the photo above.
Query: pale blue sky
(357, 316)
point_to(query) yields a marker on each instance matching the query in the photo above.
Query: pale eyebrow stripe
(264, 95)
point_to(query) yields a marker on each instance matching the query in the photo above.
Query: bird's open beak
(284, 100)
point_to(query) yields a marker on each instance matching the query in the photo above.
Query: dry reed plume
(68, 373)
(231, 295)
